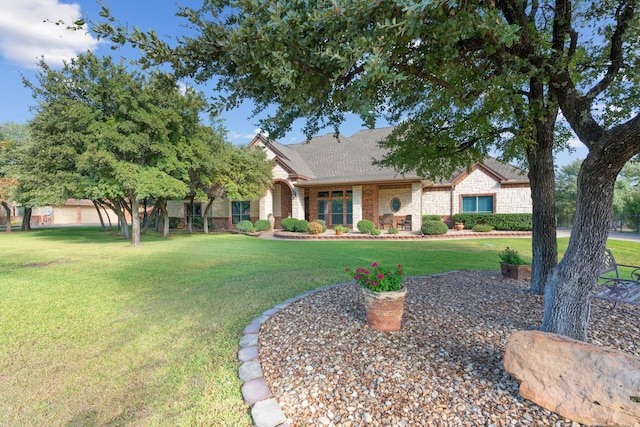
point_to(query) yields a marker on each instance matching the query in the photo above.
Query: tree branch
(624, 14)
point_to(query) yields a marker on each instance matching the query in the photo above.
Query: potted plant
(513, 266)
(459, 226)
(384, 293)
(339, 229)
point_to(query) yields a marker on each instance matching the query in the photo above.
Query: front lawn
(95, 332)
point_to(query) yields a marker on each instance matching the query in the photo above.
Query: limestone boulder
(591, 385)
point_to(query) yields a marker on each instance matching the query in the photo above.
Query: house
(334, 180)
(71, 212)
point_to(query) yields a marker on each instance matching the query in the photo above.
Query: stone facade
(294, 189)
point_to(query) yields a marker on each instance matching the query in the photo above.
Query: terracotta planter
(512, 271)
(384, 309)
(339, 233)
(459, 226)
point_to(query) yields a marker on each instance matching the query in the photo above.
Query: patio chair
(405, 224)
(387, 219)
(612, 287)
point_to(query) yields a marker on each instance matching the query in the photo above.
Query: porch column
(266, 204)
(357, 204)
(297, 204)
(416, 206)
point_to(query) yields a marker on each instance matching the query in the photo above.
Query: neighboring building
(72, 212)
(334, 180)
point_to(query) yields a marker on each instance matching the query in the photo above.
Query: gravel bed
(443, 368)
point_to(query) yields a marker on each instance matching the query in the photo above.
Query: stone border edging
(279, 234)
(265, 409)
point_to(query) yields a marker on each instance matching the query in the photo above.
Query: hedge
(507, 222)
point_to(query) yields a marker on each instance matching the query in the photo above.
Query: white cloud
(246, 136)
(575, 142)
(28, 32)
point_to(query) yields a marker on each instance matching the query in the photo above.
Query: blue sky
(25, 37)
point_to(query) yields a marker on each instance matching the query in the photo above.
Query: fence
(621, 222)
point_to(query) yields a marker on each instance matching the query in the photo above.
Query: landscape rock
(585, 383)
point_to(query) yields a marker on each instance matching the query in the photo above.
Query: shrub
(482, 228)
(301, 226)
(262, 225)
(508, 222)
(365, 226)
(174, 222)
(375, 232)
(426, 218)
(324, 224)
(393, 230)
(315, 227)
(244, 225)
(511, 256)
(288, 224)
(434, 228)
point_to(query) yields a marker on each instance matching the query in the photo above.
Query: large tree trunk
(205, 216)
(120, 208)
(576, 276)
(135, 221)
(190, 215)
(162, 205)
(542, 178)
(7, 209)
(102, 226)
(26, 219)
(569, 284)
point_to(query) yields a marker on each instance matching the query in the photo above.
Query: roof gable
(328, 159)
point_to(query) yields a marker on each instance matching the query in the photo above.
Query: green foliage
(324, 224)
(295, 225)
(632, 208)
(288, 224)
(511, 256)
(340, 228)
(482, 228)
(365, 226)
(245, 225)
(393, 230)
(301, 226)
(315, 227)
(174, 222)
(377, 278)
(262, 225)
(434, 228)
(375, 232)
(426, 218)
(567, 188)
(508, 222)
(198, 223)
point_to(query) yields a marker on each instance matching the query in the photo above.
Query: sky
(28, 32)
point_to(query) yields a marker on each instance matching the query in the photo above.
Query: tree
(443, 72)
(12, 138)
(459, 79)
(567, 189)
(108, 134)
(218, 168)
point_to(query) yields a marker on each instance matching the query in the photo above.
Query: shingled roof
(325, 160)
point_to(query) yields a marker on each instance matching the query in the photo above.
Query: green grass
(95, 332)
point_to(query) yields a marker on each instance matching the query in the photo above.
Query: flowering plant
(376, 278)
(511, 256)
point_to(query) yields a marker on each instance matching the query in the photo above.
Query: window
(477, 204)
(240, 211)
(335, 207)
(197, 210)
(395, 204)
